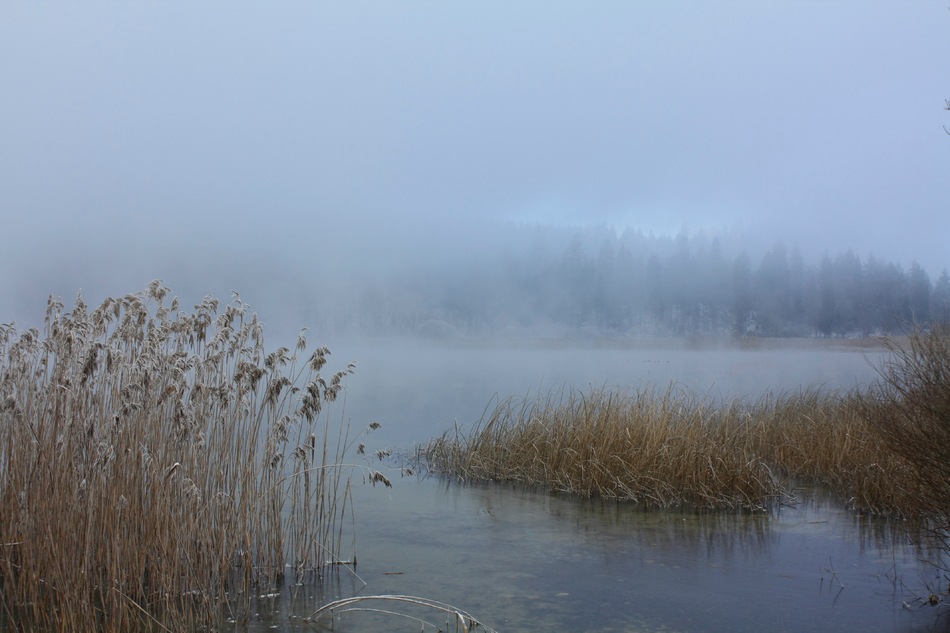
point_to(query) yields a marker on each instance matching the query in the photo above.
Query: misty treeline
(544, 279)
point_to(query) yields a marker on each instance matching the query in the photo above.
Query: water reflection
(523, 560)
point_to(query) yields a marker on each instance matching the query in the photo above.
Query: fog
(429, 168)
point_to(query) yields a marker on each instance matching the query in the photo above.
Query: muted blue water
(523, 561)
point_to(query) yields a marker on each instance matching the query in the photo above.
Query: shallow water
(527, 561)
(521, 560)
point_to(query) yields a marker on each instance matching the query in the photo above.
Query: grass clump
(157, 465)
(909, 409)
(657, 448)
(674, 448)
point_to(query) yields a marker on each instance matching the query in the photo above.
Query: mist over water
(418, 388)
(513, 281)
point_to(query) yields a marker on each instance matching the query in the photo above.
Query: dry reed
(909, 409)
(156, 465)
(674, 448)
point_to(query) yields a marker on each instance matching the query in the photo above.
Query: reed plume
(157, 464)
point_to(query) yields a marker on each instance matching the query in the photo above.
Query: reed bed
(157, 466)
(674, 448)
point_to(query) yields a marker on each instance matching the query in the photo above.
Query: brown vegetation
(674, 448)
(909, 409)
(155, 465)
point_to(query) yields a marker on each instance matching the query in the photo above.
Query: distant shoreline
(510, 341)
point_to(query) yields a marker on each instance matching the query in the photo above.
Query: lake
(521, 560)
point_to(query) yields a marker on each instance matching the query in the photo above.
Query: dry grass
(674, 448)
(909, 409)
(156, 464)
(827, 438)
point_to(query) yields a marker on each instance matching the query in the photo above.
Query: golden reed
(156, 465)
(674, 448)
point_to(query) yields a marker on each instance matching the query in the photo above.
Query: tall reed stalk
(156, 464)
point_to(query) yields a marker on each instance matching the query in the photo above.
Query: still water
(528, 561)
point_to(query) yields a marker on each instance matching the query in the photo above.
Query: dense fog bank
(555, 281)
(522, 280)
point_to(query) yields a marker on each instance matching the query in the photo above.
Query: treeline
(592, 279)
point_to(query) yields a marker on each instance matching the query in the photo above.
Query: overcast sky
(135, 133)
